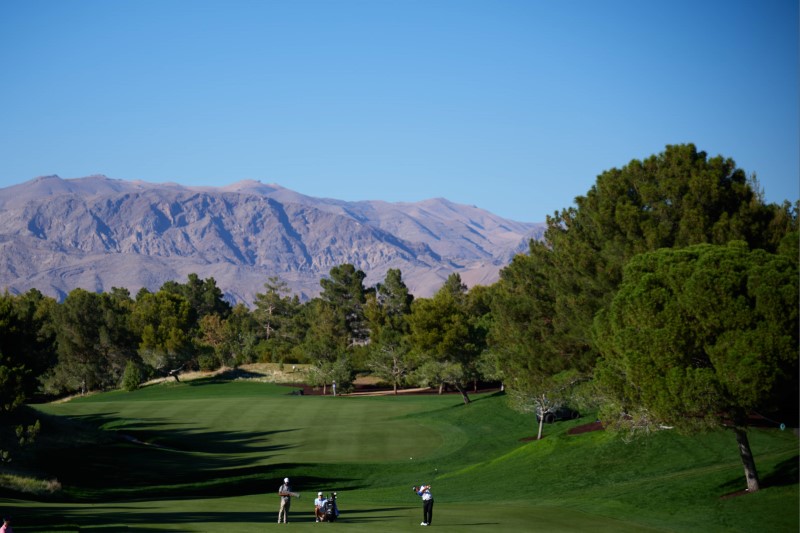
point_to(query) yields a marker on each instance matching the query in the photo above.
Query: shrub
(132, 377)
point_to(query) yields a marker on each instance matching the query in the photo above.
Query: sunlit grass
(29, 485)
(211, 453)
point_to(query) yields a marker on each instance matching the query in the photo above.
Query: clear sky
(513, 106)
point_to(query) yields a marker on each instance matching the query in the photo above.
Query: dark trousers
(427, 511)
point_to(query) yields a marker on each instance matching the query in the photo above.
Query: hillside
(97, 233)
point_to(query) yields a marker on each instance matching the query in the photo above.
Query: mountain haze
(97, 233)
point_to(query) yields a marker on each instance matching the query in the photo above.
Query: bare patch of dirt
(577, 430)
(585, 428)
(371, 389)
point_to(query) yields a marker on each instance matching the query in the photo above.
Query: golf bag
(331, 510)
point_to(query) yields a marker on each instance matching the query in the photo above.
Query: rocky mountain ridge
(97, 233)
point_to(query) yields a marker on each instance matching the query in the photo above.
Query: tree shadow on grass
(146, 456)
(139, 518)
(783, 474)
(131, 519)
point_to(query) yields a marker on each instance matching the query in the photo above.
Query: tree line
(99, 341)
(667, 296)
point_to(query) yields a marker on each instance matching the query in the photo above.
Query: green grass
(209, 455)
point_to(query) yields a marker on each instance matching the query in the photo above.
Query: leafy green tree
(546, 302)
(211, 342)
(478, 307)
(540, 375)
(26, 351)
(699, 338)
(386, 311)
(542, 393)
(117, 340)
(203, 295)
(522, 332)
(394, 297)
(326, 340)
(94, 341)
(674, 199)
(27, 344)
(11, 377)
(344, 292)
(239, 337)
(432, 372)
(277, 313)
(443, 336)
(337, 373)
(80, 365)
(228, 342)
(163, 323)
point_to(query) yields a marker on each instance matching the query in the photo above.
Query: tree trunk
(395, 388)
(441, 388)
(463, 392)
(541, 426)
(324, 389)
(750, 472)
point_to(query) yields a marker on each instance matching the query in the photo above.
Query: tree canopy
(674, 199)
(700, 337)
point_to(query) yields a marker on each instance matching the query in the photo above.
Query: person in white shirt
(427, 503)
(319, 507)
(286, 494)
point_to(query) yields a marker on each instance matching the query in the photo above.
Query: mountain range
(97, 233)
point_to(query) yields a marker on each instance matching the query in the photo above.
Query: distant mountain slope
(98, 233)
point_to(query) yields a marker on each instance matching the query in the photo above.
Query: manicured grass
(209, 455)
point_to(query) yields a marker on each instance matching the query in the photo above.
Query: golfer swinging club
(427, 503)
(286, 494)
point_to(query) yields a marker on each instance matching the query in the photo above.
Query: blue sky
(513, 106)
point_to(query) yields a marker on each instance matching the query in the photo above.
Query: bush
(208, 362)
(132, 377)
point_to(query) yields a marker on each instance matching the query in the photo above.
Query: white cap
(319, 494)
(286, 480)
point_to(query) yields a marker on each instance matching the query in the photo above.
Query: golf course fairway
(210, 454)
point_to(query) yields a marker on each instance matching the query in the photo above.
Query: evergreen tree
(27, 344)
(700, 337)
(345, 294)
(203, 296)
(444, 338)
(546, 303)
(277, 314)
(163, 324)
(386, 313)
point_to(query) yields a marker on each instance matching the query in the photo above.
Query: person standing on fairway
(427, 503)
(285, 492)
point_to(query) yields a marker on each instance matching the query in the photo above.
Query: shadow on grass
(225, 377)
(133, 518)
(130, 519)
(146, 457)
(783, 474)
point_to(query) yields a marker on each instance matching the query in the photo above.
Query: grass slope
(209, 455)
